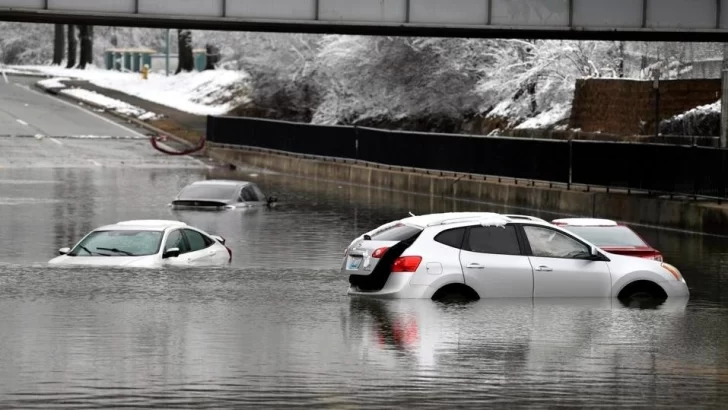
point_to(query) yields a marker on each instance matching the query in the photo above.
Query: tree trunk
(620, 67)
(72, 46)
(186, 56)
(59, 44)
(213, 57)
(87, 44)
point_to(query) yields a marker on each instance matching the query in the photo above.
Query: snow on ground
(547, 118)
(53, 83)
(213, 92)
(107, 103)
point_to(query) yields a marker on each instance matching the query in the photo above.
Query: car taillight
(655, 257)
(379, 253)
(406, 264)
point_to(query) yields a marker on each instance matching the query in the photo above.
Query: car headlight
(673, 270)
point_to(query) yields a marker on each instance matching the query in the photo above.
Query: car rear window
(453, 237)
(208, 192)
(607, 235)
(396, 233)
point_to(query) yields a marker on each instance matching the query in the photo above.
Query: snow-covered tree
(389, 78)
(530, 77)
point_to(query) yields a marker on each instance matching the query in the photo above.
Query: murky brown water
(277, 329)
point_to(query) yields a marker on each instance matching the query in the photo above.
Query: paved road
(39, 130)
(25, 111)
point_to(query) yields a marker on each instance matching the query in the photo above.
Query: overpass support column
(724, 99)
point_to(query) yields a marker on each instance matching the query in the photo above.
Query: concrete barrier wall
(627, 107)
(678, 214)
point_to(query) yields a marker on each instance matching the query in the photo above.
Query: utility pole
(656, 87)
(166, 55)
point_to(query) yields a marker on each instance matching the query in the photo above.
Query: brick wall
(628, 107)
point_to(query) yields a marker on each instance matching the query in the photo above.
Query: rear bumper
(397, 287)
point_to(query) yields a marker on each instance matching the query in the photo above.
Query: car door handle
(475, 266)
(543, 269)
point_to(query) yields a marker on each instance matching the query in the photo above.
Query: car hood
(620, 265)
(131, 261)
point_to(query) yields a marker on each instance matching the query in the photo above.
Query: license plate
(354, 263)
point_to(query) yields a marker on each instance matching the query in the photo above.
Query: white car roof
(144, 224)
(228, 182)
(485, 218)
(585, 222)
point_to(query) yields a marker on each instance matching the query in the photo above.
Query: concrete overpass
(683, 20)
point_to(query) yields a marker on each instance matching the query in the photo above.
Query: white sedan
(147, 244)
(486, 255)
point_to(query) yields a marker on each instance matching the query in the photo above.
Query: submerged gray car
(221, 194)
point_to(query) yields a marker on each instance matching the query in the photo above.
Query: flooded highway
(277, 329)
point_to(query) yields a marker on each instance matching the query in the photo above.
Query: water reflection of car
(610, 236)
(487, 255)
(509, 335)
(221, 194)
(147, 244)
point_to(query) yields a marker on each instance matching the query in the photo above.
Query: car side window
(452, 237)
(499, 240)
(247, 195)
(176, 240)
(258, 193)
(197, 241)
(550, 243)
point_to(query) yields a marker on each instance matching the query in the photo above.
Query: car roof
(585, 222)
(228, 182)
(457, 218)
(144, 225)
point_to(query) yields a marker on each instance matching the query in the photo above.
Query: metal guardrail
(659, 169)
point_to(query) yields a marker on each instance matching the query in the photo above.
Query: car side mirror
(64, 251)
(218, 238)
(170, 253)
(593, 252)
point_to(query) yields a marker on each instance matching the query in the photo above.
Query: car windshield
(221, 192)
(119, 243)
(608, 235)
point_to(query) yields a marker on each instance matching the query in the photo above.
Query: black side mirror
(170, 253)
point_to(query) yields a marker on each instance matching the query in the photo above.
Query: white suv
(487, 255)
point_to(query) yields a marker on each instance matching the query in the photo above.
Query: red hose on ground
(175, 153)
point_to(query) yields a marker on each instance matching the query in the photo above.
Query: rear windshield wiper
(116, 250)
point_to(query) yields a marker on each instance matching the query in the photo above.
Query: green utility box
(200, 59)
(128, 59)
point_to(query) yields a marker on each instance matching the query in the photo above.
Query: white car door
(493, 263)
(201, 251)
(175, 239)
(562, 266)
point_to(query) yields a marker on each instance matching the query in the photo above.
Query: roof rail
(468, 218)
(526, 217)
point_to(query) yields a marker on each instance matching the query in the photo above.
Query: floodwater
(277, 329)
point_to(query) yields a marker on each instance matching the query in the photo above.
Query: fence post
(721, 189)
(356, 142)
(694, 168)
(571, 164)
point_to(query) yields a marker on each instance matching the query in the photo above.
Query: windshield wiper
(115, 250)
